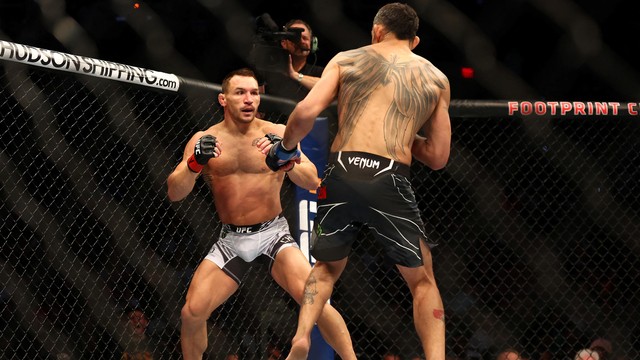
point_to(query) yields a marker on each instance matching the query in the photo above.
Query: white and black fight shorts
(238, 246)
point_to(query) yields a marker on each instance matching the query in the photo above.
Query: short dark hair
(399, 19)
(298, 21)
(239, 72)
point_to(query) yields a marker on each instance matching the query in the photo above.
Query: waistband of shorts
(363, 163)
(248, 229)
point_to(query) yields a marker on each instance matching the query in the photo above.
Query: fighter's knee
(185, 313)
(189, 313)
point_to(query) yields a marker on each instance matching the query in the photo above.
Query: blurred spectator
(140, 346)
(232, 356)
(603, 347)
(390, 355)
(586, 354)
(546, 355)
(509, 354)
(274, 352)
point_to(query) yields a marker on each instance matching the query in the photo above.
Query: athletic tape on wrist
(193, 165)
(284, 148)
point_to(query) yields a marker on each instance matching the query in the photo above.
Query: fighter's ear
(376, 33)
(222, 99)
(413, 43)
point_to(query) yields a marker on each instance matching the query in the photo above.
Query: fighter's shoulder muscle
(270, 127)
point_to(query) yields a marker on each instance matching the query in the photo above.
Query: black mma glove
(278, 157)
(273, 137)
(203, 151)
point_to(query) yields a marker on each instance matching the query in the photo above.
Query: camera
(266, 53)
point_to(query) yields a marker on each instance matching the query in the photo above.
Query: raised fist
(204, 150)
(278, 157)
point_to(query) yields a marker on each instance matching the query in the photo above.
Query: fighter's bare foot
(299, 349)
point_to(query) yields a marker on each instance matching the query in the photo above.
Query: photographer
(295, 76)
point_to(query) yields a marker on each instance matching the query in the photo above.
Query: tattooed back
(386, 94)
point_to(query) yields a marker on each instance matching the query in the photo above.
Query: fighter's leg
(428, 310)
(202, 299)
(291, 271)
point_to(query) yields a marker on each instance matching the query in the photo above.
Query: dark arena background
(537, 212)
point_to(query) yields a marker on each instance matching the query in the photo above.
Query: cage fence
(537, 219)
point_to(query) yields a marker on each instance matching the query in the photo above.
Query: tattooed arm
(433, 148)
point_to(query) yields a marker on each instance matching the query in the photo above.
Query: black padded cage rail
(537, 215)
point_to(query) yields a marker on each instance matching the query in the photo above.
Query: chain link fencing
(537, 218)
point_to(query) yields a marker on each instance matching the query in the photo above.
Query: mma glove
(273, 137)
(203, 151)
(278, 157)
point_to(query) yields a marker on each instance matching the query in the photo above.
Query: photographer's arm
(307, 81)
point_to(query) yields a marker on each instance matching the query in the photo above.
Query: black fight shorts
(362, 189)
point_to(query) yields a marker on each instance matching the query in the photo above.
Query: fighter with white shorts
(238, 246)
